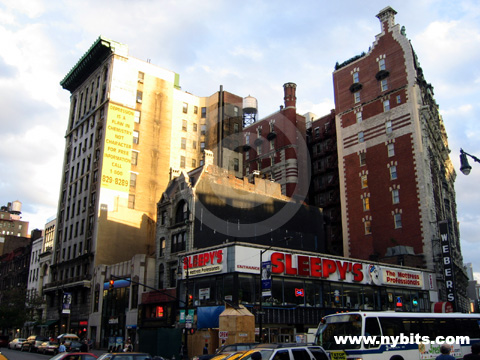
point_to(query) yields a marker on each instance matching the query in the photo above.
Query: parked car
(125, 355)
(74, 356)
(48, 347)
(287, 351)
(73, 346)
(16, 343)
(4, 340)
(227, 349)
(33, 342)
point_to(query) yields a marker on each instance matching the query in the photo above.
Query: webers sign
(302, 265)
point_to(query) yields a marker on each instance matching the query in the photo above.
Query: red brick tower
(396, 178)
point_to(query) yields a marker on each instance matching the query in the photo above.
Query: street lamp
(261, 312)
(465, 167)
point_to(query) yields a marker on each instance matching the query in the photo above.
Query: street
(22, 355)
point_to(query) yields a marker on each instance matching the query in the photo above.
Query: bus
(390, 335)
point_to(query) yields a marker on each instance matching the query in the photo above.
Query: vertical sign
(447, 263)
(117, 158)
(266, 278)
(66, 303)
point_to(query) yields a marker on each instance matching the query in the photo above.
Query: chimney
(290, 97)
(208, 158)
(387, 17)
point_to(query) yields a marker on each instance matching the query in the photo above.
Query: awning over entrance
(48, 323)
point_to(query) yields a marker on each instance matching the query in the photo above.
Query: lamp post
(184, 263)
(465, 167)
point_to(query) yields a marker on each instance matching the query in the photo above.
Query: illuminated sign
(447, 264)
(315, 266)
(117, 158)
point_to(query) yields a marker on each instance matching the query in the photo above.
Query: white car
(16, 343)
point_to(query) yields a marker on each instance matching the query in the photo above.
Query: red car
(74, 356)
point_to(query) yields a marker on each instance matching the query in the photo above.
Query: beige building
(130, 127)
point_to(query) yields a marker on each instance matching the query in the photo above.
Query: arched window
(182, 212)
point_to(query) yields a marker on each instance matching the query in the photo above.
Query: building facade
(396, 177)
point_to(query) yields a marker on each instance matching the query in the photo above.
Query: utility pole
(187, 299)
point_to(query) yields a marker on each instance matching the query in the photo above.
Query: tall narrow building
(130, 128)
(396, 177)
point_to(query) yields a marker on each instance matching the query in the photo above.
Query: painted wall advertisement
(117, 158)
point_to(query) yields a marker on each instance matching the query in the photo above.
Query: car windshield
(341, 325)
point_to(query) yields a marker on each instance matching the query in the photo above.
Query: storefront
(298, 288)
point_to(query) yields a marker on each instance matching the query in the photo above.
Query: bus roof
(400, 314)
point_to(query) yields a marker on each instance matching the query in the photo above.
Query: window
(134, 157)
(183, 144)
(395, 196)
(203, 129)
(355, 77)
(194, 163)
(317, 132)
(131, 201)
(388, 127)
(184, 125)
(139, 96)
(364, 181)
(194, 145)
(236, 128)
(202, 145)
(235, 110)
(185, 108)
(236, 164)
(204, 112)
(393, 172)
(133, 180)
(259, 149)
(363, 158)
(135, 137)
(357, 96)
(391, 150)
(368, 227)
(359, 116)
(194, 127)
(137, 117)
(195, 110)
(247, 155)
(361, 137)
(386, 105)
(182, 162)
(272, 144)
(381, 64)
(384, 85)
(366, 204)
(141, 76)
(399, 99)
(397, 219)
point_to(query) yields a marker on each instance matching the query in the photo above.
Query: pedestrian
(84, 346)
(90, 344)
(445, 353)
(205, 349)
(475, 354)
(62, 348)
(256, 355)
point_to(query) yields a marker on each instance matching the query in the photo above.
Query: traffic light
(111, 284)
(415, 302)
(190, 300)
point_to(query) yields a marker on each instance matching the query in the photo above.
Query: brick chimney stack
(387, 18)
(290, 97)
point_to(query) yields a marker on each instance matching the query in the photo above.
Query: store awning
(48, 323)
(442, 307)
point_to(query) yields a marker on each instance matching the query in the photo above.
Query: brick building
(396, 177)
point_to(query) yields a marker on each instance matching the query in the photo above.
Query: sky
(249, 47)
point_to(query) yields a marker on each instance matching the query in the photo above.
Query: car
(287, 351)
(74, 356)
(16, 343)
(125, 356)
(73, 346)
(32, 343)
(228, 349)
(4, 340)
(48, 347)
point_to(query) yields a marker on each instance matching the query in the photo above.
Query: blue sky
(249, 47)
